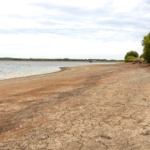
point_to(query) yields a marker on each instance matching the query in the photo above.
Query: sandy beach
(95, 107)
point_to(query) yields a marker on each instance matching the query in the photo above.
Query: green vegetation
(129, 59)
(131, 56)
(142, 56)
(146, 49)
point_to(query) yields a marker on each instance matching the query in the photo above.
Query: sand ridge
(95, 107)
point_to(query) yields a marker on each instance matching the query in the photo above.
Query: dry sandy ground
(95, 107)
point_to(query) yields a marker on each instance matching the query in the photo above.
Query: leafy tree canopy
(131, 53)
(146, 49)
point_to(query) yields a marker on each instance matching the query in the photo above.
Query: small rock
(145, 132)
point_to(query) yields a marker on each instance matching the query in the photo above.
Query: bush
(129, 59)
(139, 60)
(132, 53)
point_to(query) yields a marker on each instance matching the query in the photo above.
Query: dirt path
(98, 107)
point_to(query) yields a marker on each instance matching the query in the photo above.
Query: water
(14, 69)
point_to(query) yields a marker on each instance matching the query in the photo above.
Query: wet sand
(95, 107)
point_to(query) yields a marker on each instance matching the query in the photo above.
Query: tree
(146, 49)
(131, 53)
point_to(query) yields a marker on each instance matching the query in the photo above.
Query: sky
(82, 29)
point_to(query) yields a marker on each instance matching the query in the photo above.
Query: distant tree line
(58, 59)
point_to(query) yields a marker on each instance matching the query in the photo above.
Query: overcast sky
(72, 28)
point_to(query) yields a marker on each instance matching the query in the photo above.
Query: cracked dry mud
(95, 107)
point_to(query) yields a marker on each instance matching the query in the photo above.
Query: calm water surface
(13, 69)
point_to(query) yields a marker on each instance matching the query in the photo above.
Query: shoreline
(81, 107)
(61, 69)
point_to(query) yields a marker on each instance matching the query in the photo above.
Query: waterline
(14, 69)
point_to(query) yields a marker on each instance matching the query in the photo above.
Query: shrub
(132, 53)
(129, 59)
(139, 60)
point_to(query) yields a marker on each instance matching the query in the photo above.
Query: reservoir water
(14, 69)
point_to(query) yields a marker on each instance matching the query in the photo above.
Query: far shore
(83, 107)
(59, 59)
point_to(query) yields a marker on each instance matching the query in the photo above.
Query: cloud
(72, 28)
(105, 18)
